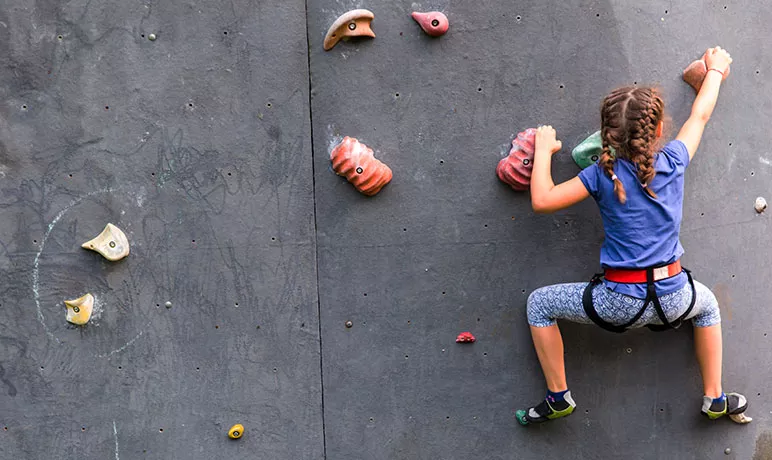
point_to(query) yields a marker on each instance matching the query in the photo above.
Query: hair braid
(629, 120)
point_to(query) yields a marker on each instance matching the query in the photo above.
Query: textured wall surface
(207, 148)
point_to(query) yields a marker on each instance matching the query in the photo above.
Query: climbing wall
(264, 289)
(197, 145)
(446, 247)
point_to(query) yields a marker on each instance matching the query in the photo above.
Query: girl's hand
(718, 58)
(546, 140)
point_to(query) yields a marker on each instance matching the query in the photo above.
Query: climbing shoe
(547, 410)
(728, 404)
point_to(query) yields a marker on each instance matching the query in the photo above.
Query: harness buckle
(661, 273)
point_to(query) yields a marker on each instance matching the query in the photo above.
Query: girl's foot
(732, 404)
(555, 405)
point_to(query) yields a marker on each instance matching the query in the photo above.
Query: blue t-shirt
(643, 232)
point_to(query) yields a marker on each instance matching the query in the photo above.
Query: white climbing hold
(111, 243)
(760, 205)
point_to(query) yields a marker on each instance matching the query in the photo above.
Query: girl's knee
(537, 309)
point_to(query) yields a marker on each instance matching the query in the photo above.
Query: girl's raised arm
(717, 61)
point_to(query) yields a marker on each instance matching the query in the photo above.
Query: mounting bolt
(151, 37)
(727, 451)
(168, 304)
(349, 324)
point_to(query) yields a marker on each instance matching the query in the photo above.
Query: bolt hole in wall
(160, 430)
(268, 105)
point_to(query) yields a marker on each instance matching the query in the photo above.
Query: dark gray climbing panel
(198, 145)
(446, 247)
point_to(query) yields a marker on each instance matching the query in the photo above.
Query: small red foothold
(515, 169)
(433, 23)
(465, 337)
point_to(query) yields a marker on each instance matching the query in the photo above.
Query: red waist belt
(639, 276)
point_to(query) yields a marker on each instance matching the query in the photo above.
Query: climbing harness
(649, 276)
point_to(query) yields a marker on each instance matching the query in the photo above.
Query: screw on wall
(151, 37)
(168, 304)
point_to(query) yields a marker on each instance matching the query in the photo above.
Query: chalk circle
(124, 291)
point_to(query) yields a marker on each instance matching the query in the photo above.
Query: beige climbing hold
(79, 310)
(740, 418)
(760, 205)
(111, 243)
(355, 23)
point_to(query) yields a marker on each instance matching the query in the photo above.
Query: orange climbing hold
(515, 170)
(465, 337)
(355, 23)
(695, 73)
(355, 161)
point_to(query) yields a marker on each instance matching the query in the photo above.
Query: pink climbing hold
(465, 337)
(433, 23)
(515, 170)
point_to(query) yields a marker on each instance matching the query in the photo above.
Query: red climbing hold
(355, 161)
(465, 337)
(433, 23)
(695, 73)
(515, 170)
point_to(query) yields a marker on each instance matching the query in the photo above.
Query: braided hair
(629, 120)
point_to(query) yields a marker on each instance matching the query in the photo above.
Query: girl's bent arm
(546, 197)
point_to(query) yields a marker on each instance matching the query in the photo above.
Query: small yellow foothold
(111, 243)
(79, 310)
(236, 431)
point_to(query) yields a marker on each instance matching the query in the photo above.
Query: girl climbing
(639, 190)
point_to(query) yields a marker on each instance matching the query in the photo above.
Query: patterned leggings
(564, 301)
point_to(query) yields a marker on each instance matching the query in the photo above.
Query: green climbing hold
(588, 152)
(520, 416)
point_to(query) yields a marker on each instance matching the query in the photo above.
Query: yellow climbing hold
(236, 431)
(79, 310)
(111, 243)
